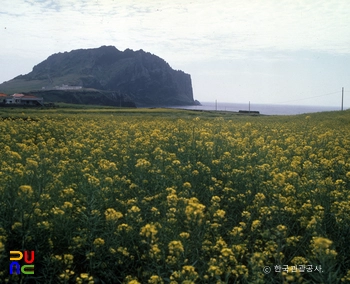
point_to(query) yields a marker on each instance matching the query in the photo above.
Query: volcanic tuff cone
(142, 77)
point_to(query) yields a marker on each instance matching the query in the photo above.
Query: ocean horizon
(267, 109)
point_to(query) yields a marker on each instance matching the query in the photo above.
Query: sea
(267, 109)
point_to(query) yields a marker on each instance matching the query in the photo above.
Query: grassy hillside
(18, 85)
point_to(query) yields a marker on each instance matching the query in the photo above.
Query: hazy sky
(263, 51)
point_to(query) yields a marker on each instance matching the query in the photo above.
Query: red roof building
(17, 95)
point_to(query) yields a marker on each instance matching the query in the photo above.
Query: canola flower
(99, 242)
(149, 231)
(155, 197)
(112, 215)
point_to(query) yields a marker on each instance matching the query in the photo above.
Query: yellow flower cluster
(99, 242)
(149, 231)
(112, 215)
(176, 250)
(26, 190)
(194, 211)
(321, 247)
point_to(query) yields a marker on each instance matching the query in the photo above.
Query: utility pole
(342, 98)
(249, 106)
(216, 105)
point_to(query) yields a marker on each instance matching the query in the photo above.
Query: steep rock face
(145, 78)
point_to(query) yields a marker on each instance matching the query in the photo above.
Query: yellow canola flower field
(169, 196)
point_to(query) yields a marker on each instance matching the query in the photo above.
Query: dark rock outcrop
(144, 78)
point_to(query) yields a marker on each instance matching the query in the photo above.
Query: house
(17, 98)
(21, 99)
(2, 97)
(30, 100)
(5, 99)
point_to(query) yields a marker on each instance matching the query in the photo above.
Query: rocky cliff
(144, 78)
